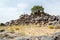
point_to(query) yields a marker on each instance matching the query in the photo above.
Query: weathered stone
(56, 36)
(46, 38)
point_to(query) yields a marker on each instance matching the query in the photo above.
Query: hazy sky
(11, 9)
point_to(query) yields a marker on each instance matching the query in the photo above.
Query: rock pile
(37, 17)
(33, 19)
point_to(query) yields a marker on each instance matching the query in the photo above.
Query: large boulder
(46, 38)
(56, 36)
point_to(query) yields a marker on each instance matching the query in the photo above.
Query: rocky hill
(33, 18)
(37, 16)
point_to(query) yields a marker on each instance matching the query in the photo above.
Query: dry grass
(30, 30)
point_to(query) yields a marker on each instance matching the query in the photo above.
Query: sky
(12, 9)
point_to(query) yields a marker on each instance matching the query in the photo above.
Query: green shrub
(36, 8)
(51, 27)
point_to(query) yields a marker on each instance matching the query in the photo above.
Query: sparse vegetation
(31, 30)
(51, 26)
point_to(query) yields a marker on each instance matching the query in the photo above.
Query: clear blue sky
(11, 9)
